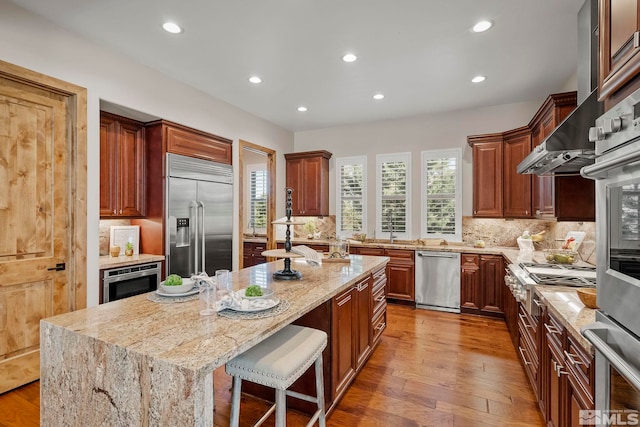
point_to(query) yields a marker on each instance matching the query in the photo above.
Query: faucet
(252, 224)
(389, 215)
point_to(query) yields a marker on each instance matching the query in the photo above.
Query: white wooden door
(38, 221)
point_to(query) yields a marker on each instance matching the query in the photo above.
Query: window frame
(440, 154)
(342, 161)
(251, 168)
(386, 158)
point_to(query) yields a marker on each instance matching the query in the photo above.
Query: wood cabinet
(122, 167)
(343, 342)
(619, 46)
(567, 375)
(517, 187)
(308, 175)
(401, 280)
(511, 307)
(487, 175)
(481, 283)
(252, 253)
(162, 137)
(499, 191)
(565, 198)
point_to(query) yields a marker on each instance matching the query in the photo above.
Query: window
(258, 200)
(441, 191)
(393, 187)
(351, 179)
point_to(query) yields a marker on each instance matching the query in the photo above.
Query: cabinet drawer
(470, 259)
(530, 325)
(378, 300)
(378, 325)
(400, 255)
(531, 367)
(580, 363)
(553, 330)
(527, 343)
(370, 251)
(379, 278)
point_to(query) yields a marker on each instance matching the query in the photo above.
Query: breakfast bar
(140, 362)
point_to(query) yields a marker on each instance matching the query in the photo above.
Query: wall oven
(123, 282)
(616, 333)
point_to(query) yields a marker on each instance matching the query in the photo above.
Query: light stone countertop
(107, 261)
(565, 305)
(134, 361)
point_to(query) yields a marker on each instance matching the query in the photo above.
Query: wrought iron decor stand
(287, 273)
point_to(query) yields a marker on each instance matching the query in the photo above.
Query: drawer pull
(380, 298)
(572, 358)
(536, 302)
(380, 326)
(552, 329)
(524, 359)
(524, 321)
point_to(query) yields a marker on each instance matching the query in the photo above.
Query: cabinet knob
(120, 211)
(115, 212)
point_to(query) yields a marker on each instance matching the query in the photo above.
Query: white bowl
(266, 293)
(187, 285)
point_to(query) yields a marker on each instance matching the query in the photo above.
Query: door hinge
(59, 267)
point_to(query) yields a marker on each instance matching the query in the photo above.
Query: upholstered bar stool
(278, 362)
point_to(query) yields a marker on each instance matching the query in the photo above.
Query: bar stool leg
(281, 408)
(235, 402)
(320, 390)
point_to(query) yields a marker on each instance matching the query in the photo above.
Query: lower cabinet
(252, 254)
(401, 285)
(481, 284)
(354, 321)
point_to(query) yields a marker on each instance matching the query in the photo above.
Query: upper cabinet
(308, 175)
(619, 59)
(122, 167)
(499, 191)
(487, 175)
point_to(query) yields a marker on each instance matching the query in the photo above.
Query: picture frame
(120, 234)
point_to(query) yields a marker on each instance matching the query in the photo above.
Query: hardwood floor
(431, 369)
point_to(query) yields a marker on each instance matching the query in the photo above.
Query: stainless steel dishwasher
(438, 281)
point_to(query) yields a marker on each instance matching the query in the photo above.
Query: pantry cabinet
(122, 167)
(307, 173)
(619, 46)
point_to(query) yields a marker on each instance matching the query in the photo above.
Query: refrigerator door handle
(194, 217)
(202, 236)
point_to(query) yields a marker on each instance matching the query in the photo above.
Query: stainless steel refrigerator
(199, 217)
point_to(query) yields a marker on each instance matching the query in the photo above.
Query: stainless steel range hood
(567, 149)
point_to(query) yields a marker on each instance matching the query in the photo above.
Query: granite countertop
(107, 261)
(565, 305)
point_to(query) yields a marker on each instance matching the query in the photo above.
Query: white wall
(34, 43)
(414, 134)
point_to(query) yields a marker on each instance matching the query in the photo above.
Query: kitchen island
(138, 362)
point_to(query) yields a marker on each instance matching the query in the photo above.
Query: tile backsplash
(105, 232)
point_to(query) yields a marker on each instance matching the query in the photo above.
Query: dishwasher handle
(436, 255)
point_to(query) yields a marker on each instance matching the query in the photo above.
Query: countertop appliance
(199, 216)
(438, 281)
(123, 282)
(616, 334)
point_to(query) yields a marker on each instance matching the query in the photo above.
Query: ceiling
(420, 54)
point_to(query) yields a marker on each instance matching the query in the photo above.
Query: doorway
(257, 194)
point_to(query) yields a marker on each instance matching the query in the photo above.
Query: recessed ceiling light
(482, 26)
(172, 28)
(478, 79)
(349, 57)
(378, 96)
(302, 109)
(255, 79)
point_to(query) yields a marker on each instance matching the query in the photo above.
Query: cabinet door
(343, 339)
(294, 180)
(312, 186)
(491, 283)
(108, 161)
(469, 283)
(487, 179)
(131, 182)
(363, 335)
(517, 187)
(577, 400)
(546, 188)
(619, 44)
